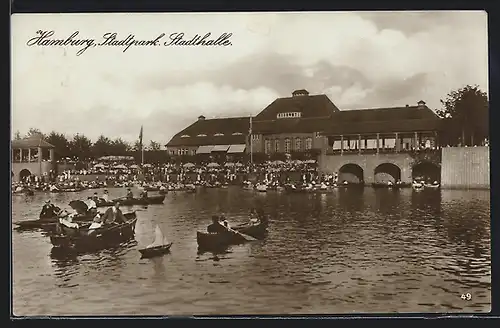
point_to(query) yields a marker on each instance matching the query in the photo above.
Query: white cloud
(108, 91)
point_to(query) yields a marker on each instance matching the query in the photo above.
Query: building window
(202, 135)
(309, 143)
(185, 136)
(289, 115)
(267, 146)
(277, 145)
(193, 152)
(237, 134)
(298, 144)
(255, 137)
(172, 152)
(317, 134)
(287, 145)
(219, 135)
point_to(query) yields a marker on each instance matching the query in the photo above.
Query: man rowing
(130, 194)
(114, 215)
(49, 210)
(216, 226)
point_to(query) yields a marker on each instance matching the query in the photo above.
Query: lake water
(351, 251)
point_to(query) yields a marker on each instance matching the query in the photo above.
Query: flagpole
(251, 142)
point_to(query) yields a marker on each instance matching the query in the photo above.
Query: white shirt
(105, 197)
(91, 204)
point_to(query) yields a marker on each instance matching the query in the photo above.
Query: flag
(140, 137)
(249, 136)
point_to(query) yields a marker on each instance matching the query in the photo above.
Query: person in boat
(130, 194)
(105, 196)
(113, 215)
(254, 218)
(224, 222)
(91, 206)
(144, 193)
(49, 210)
(216, 226)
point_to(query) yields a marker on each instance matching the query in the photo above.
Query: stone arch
(426, 170)
(386, 172)
(352, 173)
(23, 174)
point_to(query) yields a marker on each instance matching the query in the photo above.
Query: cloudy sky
(360, 60)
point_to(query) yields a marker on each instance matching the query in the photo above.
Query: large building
(313, 125)
(31, 156)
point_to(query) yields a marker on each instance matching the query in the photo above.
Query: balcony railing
(379, 151)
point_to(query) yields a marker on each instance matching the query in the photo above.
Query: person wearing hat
(49, 210)
(130, 194)
(113, 215)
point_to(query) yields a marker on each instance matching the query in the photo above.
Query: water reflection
(350, 250)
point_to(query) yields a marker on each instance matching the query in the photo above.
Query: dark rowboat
(82, 239)
(155, 251)
(49, 223)
(151, 200)
(207, 240)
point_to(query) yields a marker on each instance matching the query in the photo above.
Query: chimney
(201, 118)
(301, 92)
(421, 104)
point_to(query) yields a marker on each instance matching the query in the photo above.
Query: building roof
(218, 131)
(309, 106)
(31, 142)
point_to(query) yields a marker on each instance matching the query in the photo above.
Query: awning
(204, 149)
(220, 148)
(236, 149)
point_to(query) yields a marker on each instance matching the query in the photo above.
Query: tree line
(465, 114)
(80, 147)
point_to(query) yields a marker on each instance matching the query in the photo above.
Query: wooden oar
(246, 237)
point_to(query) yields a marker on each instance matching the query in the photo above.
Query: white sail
(158, 238)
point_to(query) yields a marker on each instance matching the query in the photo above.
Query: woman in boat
(105, 196)
(91, 206)
(254, 219)
(216, 226)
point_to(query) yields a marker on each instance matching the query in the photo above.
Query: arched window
(185, 136)
(237, 134)
(202, 135)
(219, 135)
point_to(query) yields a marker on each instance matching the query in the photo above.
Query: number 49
(466, 297)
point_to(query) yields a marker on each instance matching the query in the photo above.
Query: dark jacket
(216, 228)
(110, 216)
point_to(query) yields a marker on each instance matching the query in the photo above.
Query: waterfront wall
(368, 163)
(465, 167)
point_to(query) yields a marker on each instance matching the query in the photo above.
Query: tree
(154, 146)
(137, 146)
(102, 147)
(34, 132)
(61, 144)
(466, 116)
(81, 147)
(17, 135)
(119, 147)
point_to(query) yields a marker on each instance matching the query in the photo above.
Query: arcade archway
(351, 173)
(23, 174)
(386, 172)
(426, 171)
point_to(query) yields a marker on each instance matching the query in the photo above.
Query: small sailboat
(159, 246)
